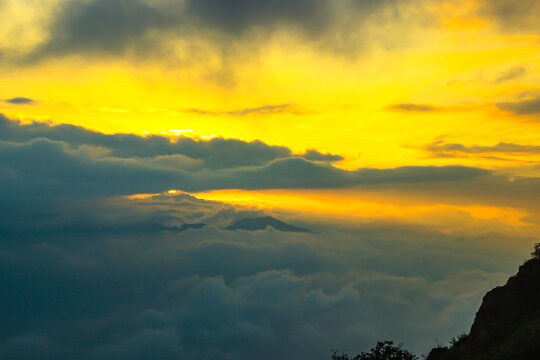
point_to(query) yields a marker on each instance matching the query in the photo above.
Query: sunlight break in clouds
(234, 179)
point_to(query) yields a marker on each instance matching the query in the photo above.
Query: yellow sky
(452, 64)
(339, 105)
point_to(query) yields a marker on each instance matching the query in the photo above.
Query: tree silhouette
(384, 350)
(536, 253)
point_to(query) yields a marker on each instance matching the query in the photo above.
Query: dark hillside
(507, 325)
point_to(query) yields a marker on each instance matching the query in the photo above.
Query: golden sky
(402, 83)
(261, 179)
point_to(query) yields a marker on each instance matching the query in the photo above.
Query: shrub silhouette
(384, 350)
(536, 253)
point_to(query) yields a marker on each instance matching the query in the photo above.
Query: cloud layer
(52, 152)
(120, 27)
(92, 274)
(108, 280)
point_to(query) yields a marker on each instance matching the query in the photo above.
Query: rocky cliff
(507, 325)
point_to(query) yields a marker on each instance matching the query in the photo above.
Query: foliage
(536, 253)
(459, 339)
(384, 350)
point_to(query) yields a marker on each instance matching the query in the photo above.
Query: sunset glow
(337, 153)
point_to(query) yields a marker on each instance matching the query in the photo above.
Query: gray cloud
(215, 153)
(413, 107)
(238, 16)
(77, 174)
(43, 165)
(510, 74)
(103, 27)
(89, 275)
(20, 101)
(212, 294)
(512, 15)
(111, 27)
(524, 107)
(314, 155)
(65, 170)
(439, 148)
(63, 160)
(244, 165)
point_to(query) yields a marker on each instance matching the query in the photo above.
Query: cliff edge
(507, 324)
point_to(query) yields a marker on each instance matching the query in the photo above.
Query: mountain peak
(261, 223)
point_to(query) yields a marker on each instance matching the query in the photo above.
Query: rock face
(261, 223)
(507, 325)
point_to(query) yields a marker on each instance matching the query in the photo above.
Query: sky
(404, 134)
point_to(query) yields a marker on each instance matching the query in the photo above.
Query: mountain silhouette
(185, 227)
(507, 325)
(261, 223)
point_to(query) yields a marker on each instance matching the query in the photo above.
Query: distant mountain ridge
(185, 227)
(507, 325)
(261, 223)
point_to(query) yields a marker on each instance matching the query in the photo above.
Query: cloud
(512, 15)
(76, 174)
(510, 74)
(90, 274)
(524, 107)
(212, 294)
(240, 15)
(314, 155)
(144, 28)
(103, 27)
(20, 101)
(413, 107)
(442, 149)
(215, 153)
(88, 164)
(60, 171)
(261, 110)
(241, 165)
(64, 159)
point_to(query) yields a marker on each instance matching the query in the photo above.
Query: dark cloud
(513, 15)
(413, 107)
(238, 16)
(215, 153)
(524, 107)
(441, 149)
(117, 27)
(40, 165)
(20, 101)
(214, 294)
(87, 274)
(104, 27)
(297, 173)
(59, 171)
(78, 162)
(510, 74)
(314, 155)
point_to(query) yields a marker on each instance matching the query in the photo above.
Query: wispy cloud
(408, 107)
(442, 149)
(19, 100)
(510, 74)
(261, 110)
(523, 107)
